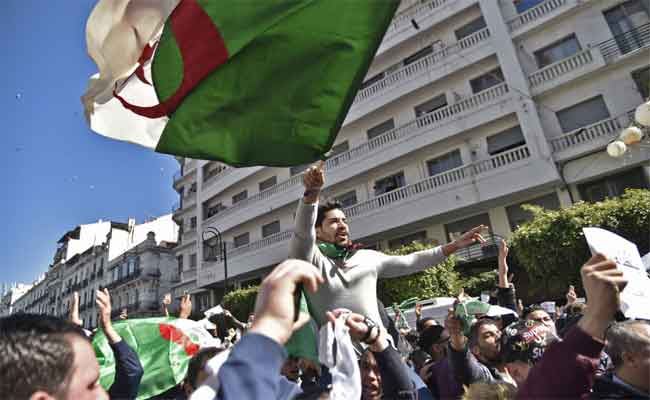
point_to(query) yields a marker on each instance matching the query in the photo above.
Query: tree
(552, 248)
(241, 302)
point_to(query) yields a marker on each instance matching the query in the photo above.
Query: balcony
(626, 43)
(188, 274)
(540, 14)
(477, 252)
(583, 140)
(426, 13)
(565, 70)
(439, 182)
(420, 73)
(134, 275)
(415, 135)
(465, 186)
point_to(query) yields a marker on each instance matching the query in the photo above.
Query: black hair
(197, 363)
(324, 209)
(36, 355)
(474, 335)
(530, 309)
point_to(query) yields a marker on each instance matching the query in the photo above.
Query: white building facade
(470, 109)
(120, 256)
(10, 296)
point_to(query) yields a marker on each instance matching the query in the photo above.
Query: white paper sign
(635, 298)
(213, 311)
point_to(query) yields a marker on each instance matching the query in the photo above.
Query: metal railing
(609, 127)
(534, 13)
(625, 43)
(134, 275)
(425, 63)
(188, 274)
(434, 182)
(559, 68)
(478, 251)
(403, 18)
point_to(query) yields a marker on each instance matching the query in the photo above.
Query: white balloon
(631, 135)
(642, 114)
(616, 149)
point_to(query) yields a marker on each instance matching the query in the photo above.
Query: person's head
(433, 340)
(484, 341)
(537, 313)
(196, 374)
(522, 345)
(425, 323)
(576, 309)
(370, 378)
(46, 358)
(628, 346)
(291, 369)
(490, 391)
(251, 318)
(331, 224)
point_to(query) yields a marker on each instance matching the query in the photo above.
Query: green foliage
(441, 281)
(482, 282)
(552, 248)
(241, 302)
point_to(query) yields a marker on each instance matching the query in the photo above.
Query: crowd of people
(579, 351)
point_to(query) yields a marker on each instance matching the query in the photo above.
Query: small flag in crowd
(243, 82)
(164, 347)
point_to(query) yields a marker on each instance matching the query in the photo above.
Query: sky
(56, 172)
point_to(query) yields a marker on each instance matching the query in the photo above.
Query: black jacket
(606, 388)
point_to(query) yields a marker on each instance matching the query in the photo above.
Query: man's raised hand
(103, 300)
(313, 179)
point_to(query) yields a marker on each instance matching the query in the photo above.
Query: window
(408, 239)
(193, 222)
(457, 228)
(418, 55)
(487, 80)
(295, 170)
(557, 51)
(339, 148)
(268, 183)
(212, 169)
(239, 196)
(430, 105)
(193, 261)
(215, 209)
(131, 266)
(180, 263)
(524, 5)
(347, 199)
(466, 30)
(380, 129)
(444, 163)
(518, 216)
(270, 228)
(642, 79)
(506, 140)
(371, 81)
(613, 185)
(242, 240)
(192, 188)
(583, 114)
(389, 183)
(626, 17)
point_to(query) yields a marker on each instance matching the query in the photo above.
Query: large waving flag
(164, 347)
(241, 81)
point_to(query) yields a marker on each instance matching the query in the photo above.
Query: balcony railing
(135, 274)
(218, 175)
(625, 43)
(259, 244)
(559, 68)
(188, 274)
(444, 179)
(418, 125)
(403, 19)
(535, 13)
(606, 128)
(478, 251)
(425, 63)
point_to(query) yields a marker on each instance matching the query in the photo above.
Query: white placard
(635, 298)
(213, 311)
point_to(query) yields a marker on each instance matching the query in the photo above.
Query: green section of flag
(164, 362)
(303, 342)
(281, 98)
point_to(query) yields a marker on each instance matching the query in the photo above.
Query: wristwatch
(370, 324)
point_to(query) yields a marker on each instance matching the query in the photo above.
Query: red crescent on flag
(173, 334)
(202, 49)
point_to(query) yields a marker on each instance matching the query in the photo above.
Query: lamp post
(213, 240)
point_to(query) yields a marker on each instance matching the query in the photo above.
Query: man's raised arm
(303, 242)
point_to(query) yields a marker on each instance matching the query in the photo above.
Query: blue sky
(56, 173)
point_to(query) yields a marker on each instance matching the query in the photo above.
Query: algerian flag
(164, 347)
(241, 81)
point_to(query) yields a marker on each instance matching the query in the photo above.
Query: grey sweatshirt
(352, 285)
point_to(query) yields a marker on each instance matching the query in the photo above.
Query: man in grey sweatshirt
(350, 275)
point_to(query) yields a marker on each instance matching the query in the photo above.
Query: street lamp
(216, 246)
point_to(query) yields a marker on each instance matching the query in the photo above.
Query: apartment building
(470, 109)
(135, 261)
(11, 294)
